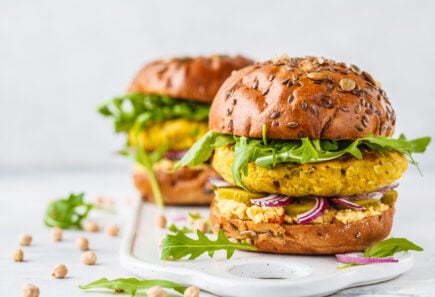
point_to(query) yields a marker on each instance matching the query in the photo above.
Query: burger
(164, 112)
(306, 158)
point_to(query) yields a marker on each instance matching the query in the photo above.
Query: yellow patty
(344, 177)
(179, 134)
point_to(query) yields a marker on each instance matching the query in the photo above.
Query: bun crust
(307, 239)
(196, 79)
(302, 97)
(187, 186)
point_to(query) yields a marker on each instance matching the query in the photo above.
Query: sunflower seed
(285, 81)
(292, 124)
(255, 84)
(359, 128)
(314, 110)
(275, 115)
(304, 105)
(265, 92)
(355, 69)
(228, 112)
(365, 121)
(317, 75)
(344, 108)
(357, 109)
(368, 78)
(327, 103)
(275, 123)
(290, 99)
(301, 134)
(271, 77)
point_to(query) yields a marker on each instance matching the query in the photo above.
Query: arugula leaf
(144, 109)
(391, 246)
(201, 151)
(144, 159)
(179, 245)
(67, 213)
(132, 285)
(173, 228)
(297, 151)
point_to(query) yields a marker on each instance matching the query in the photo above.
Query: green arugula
(142, 157)
(179, 246)
(67, 213)
(268, 154)
(173, 228)
(132, 285)
(140, 110)
(389, 247)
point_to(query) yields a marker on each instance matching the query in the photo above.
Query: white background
(60, 59)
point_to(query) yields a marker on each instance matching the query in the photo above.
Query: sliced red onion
(345, 202)
(175, 155)
(273, 200)
(315, 212)
(377, 195)
(219, 182)
(352, 259)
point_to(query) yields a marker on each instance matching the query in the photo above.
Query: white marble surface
(25, 195)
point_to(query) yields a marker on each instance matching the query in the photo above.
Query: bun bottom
(307, 239)
(186, 186)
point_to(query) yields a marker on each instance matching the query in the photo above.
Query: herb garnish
(67, 213)
(140, 110)
(391, 246)
(132, 285)
(298, 151)
(180, 245)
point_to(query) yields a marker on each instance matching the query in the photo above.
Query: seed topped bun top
(302, 97)
(196, 79)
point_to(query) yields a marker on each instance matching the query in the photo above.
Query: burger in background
(304, 149)
(164, 112)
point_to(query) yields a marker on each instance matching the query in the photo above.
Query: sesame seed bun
(196, 79)
(309, 238)
(302, 97)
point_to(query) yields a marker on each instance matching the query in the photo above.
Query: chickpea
(112, 230)
(30, 290)
(25, 239)
(59, 271)
(89, 258)
(156, 291)
(56, 234)
(161, 221)
(91, 226)
(18, 255)
(191, 291)
(200, 224)
(82, 243)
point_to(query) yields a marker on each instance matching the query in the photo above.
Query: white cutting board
(246, 274)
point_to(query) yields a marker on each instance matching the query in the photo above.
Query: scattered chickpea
(161, 221)
(30, 290)
(25, 239)
(91, 226)
(59, 271)
(112, 230)
(99, 201)
(191, 291)
(56, 234)
(18, 255)
(156, 291)
(199, 224)
(88, 258)
(82, 243)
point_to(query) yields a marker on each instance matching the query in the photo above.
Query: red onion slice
(352, 259)
(273, 200)
(175, 155)
(315, 212)
(378, 194)
(219, 182)
(345, 202)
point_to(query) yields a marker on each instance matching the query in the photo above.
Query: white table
(24, 197)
